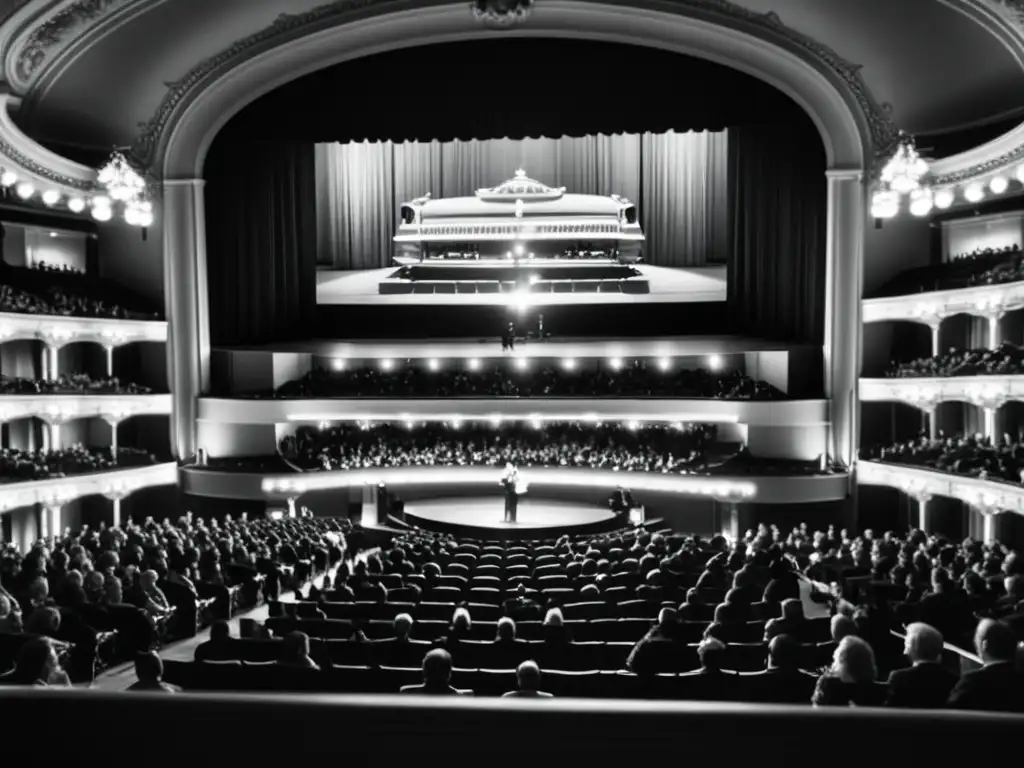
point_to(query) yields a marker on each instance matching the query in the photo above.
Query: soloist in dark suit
(922, 686)
(511, 500)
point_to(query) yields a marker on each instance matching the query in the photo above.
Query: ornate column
(843, 290)
(188, 331)
(935, 338)
(923, 523)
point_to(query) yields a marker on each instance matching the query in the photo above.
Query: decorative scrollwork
(876, 117)
(501, 13)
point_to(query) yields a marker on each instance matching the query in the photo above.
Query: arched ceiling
(92, 71)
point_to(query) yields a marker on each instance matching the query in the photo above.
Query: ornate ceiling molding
(43, 41)
(19, 152)
(877, 120)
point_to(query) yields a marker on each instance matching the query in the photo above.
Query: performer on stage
(514, 486)
(621, 501)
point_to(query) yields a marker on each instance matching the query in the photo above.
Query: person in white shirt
(528, 680)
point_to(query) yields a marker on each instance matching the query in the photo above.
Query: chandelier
(123, 185)
(902, 175)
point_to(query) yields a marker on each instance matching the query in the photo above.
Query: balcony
(932, 308)
(61, 330)
(115, 485)
(64, 408)
(988, 392)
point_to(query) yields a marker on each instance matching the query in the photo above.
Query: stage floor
(488, 512)
(668, 286)
(555, 348)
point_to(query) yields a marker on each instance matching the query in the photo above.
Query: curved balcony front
(933, 307)
(115, 484)
(758, 489)
(926, 393)
(64, 408)
(60, 330)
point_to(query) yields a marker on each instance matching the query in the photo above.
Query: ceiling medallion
(501, 13)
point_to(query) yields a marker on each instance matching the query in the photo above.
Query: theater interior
(625, 372)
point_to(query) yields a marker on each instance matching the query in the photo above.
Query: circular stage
(483, 517)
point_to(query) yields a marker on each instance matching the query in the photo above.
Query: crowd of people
(970, 455)
(985, 266)
(18, 466)
(55, 301)
(652, 448)
(143, 583)
(1007, 360)
(71, 384)
(637, 380)
(822, 605)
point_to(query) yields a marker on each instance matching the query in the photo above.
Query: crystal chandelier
(125, 186)
(901, 176)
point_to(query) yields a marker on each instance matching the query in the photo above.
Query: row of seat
(573, 656)
(431, 611)
(561, 595)
(271, 677)
(605, 630)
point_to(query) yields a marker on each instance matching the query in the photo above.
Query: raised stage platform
(482, 517)
(666, 286)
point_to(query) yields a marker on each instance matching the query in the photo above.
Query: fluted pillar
(843, 288)
(188, 330)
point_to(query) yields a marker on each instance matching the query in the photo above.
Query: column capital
(845, 174)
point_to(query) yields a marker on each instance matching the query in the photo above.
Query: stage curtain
(679, 182)
(777, 214)
(356, 217)
(260, 235)
(684, 204)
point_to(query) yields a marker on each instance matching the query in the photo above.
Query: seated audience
(437, 676)
(218, 647)
(926, 684)
(783, 682)
(149, 670)
(37, 665)
(851, 680)
(997, 686)
(528, 683)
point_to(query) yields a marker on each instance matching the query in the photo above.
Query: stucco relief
(881, 128)
(58, 31)
(1013, 10)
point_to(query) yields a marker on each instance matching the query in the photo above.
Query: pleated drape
(679, 182)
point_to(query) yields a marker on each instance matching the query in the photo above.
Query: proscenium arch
(806, 80)
(757, 49)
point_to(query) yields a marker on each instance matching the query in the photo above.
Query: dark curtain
(777, 191)
(261, 240)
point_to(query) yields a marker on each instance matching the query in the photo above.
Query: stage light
(535, 422)
(944, 198)
(715, 362)
(456, 424)
(522, 363)
(508, 254)
(974, 193)
(408, 422)
(534, 279)
(76, 204)
(8, 178)
(678, 426)
(519, 249)
(51, 197)
(664, 364)
(569, 364)
(615, 363)
(339, 364)
(495, 421)
(324, 425)
(473, 364)
(433, 365)
(921, 202)
(633, 426)
(25, 190)
(387, 365)
(998, 185)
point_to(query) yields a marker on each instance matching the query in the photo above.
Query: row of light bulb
(886, 203)
(137, 213)
(536, 422)
(664, 364)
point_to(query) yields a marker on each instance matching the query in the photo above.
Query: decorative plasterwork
(48, 35)
(982, 391)
(60, 330)
(117, 484)
(59, 409)
(26, 157)
(775, 413)
(877, 119)
(984, 495)
(934, 307)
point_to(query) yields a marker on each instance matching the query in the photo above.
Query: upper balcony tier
(114, 484)
(61, 330)
(62, 408)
